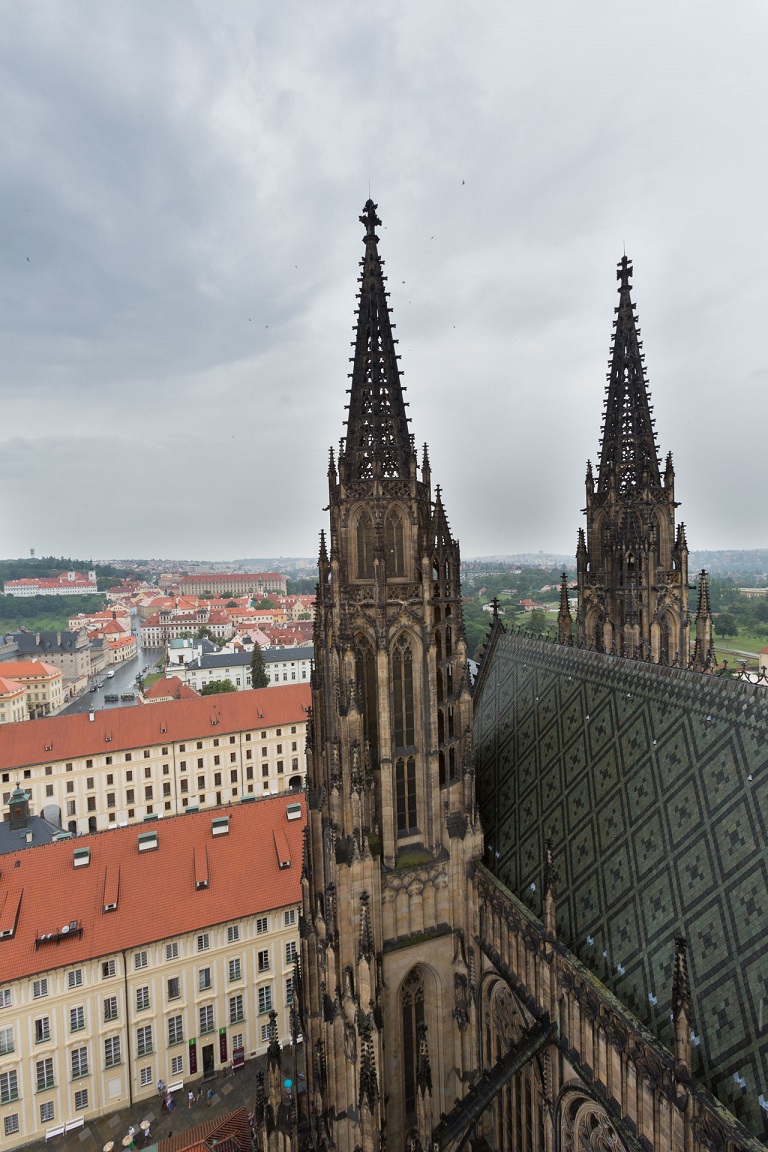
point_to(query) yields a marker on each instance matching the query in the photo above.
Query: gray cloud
(179, 247)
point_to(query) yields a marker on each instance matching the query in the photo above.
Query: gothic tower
(389, 917)
(632, 564)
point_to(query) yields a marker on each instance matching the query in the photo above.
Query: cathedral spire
(378, 441)
(564, 618)
(628, 456)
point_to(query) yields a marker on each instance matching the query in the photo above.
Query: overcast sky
(179, 244)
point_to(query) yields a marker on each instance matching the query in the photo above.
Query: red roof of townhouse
(156, 893)
(230, 1134)
(113, 628)
(29, 668)
(121, 642)
(10, 687)
(170, 688)
(116, 729)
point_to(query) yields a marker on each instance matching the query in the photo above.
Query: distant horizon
(261, 563)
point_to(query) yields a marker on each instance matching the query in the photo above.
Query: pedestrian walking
(199, 1091)
(160, 1087)
(191, 1098)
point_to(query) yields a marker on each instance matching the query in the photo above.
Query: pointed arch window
(365, 663)
(364, 547)
(405, 788)
(395, 545)
(402, 695)
(413, 1018)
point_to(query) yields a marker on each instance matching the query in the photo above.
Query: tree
(537, 621)
(725, 624)
(265, 604)
(259, 678)
(213, 687)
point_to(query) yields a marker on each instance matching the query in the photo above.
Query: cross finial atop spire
(623, 272)
(371, 221)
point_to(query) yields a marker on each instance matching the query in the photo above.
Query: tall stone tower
(632, 564)
(389, 914)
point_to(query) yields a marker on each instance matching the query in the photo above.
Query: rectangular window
(76, 1018)
(203, 942)
(182, 747)
(177, 1066)
(129, 775)
(236, 1008)
(264, 1033)
(233, 933)
(110, 1008)
(174, 988)
(199, 761)
(46, 1112)
(265, 999)
(140, 959)
(263, 959)
(175, 1029)
(204, 979)
(217, 759)
(42, 1030)
(110, 799)
(172, 951)
(144, 1040)
(6, 1041)
(91, 805)
(39, 988)
(279, 765)
(234, 970)
(262, 925)
(145, 1076)
(289, 991)
(289, 917)
(71, 808)
(217, 779)
(237, 1040)
(265, 770)
(146, 753)
(206, 1019)
(81, 1100)
(5, 996)
(201, 782)
(75, 978)
(128, 757)
(107, 969)
(290, 952)
(130, 796)
(142, 998)
(148, 792)
(79, 1059)
(111, 1051)
(9, 1086)
(88, 764)
(184, 785)
(147, 772)
(11, 1124)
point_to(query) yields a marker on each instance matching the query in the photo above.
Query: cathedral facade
(445, 995)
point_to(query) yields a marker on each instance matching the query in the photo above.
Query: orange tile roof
(24, 668)
(170, 688)
(230, 1132)
(10, 687)
(157, 897)
(113, 729)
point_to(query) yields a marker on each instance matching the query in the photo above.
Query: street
(124, 680)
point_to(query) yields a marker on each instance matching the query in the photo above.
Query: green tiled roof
(653, 783)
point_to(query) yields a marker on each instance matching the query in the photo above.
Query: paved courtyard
(229, 1092)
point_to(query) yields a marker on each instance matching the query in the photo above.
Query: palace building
(137, 955)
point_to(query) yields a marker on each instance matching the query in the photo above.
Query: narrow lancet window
(364, 547)
(395, 546)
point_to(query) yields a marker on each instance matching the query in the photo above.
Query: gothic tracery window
(395, 545)
(365, 663)
(364, 536)
(412, 1017)
(402, 695)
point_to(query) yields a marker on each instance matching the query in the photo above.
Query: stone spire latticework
(632, 561)
(378, 440)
